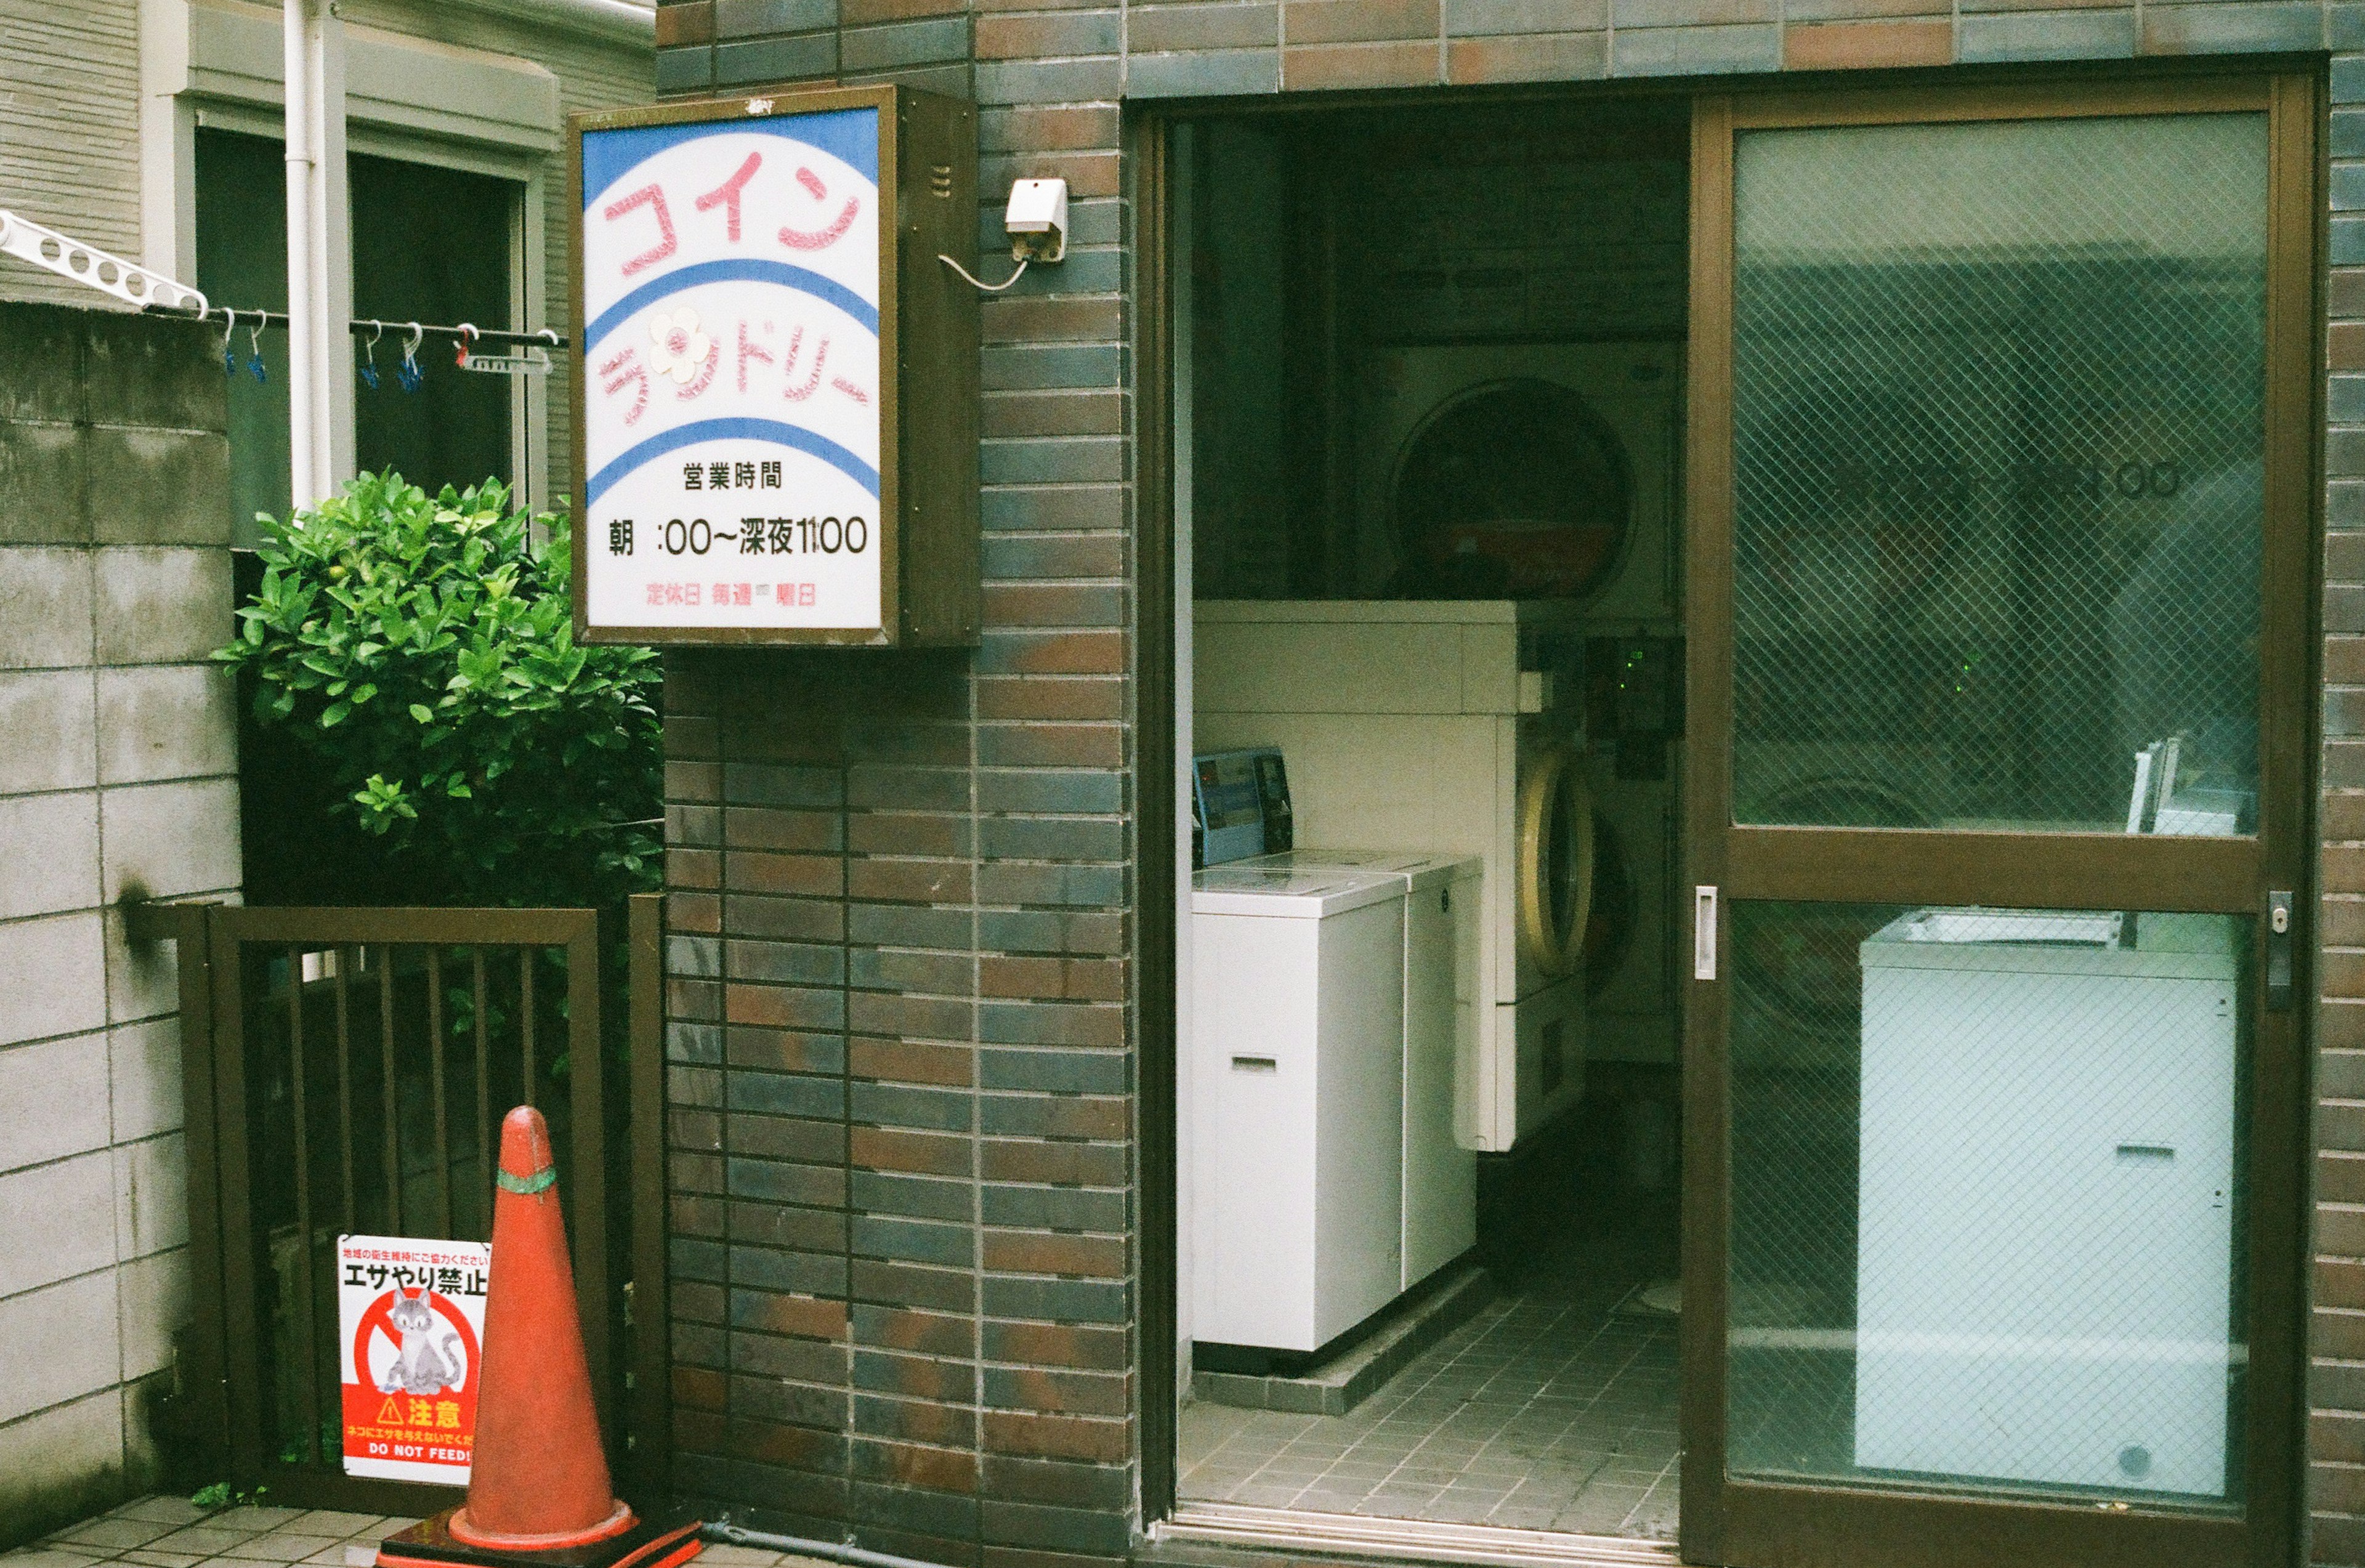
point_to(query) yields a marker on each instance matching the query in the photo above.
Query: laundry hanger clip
(467, 337)
(532, 359)
(407, 372)
(254, 350)
(229, 355)
(367, 370)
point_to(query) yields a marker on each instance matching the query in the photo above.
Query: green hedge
(418, 653)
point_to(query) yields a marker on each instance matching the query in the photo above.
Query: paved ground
(169, 1532)
(1549, 1410)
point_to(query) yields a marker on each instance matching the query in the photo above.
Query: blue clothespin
(407, 372)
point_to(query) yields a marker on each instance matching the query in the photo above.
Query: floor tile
(282, 1546)
(1545, 1411)
(120, 1534)
(165, 1511)
(202, 1541)
(253, 1518)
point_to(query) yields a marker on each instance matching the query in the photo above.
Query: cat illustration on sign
(421, 1366)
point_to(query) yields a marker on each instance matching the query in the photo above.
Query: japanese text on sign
(411, 1330)
(731, 293)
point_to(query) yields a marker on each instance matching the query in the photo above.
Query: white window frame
(217, 63)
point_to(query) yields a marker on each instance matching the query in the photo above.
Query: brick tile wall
(2336, 1428)
(902, 1123)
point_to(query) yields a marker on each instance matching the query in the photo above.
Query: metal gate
(346, 1072)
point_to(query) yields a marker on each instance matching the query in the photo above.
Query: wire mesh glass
(1987, 1208)
(1999, 429)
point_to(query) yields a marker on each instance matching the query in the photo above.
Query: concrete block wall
(117, 777)
(1047, 706)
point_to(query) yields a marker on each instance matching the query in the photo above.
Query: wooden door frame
(1787, 1522)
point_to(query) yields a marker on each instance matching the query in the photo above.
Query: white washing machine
(1562, 458)
(1297, 1059)
(1443, 898)
(1440, 726)
(2044, 1252)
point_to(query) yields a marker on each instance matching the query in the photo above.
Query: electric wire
(987, 287)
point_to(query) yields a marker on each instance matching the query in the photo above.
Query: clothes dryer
(1439, 727)
(1523, 471)
(1630, 959)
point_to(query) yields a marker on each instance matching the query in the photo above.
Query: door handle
(1704, 933)
(2279, 920)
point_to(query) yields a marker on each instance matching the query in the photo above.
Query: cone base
(466, 1531)
(430, 1544)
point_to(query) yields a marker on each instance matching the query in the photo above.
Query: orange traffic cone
(538, 1486)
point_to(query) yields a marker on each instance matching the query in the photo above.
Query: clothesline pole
(392, 330)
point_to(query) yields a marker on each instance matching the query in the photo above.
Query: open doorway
(1428, 399)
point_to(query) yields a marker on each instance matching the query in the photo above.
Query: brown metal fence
(346, 1071)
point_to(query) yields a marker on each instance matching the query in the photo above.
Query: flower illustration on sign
(678, 348)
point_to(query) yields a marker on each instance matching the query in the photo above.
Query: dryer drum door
(1555, 869)
(1515, 489)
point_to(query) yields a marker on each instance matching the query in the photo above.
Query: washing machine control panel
(1240, 806)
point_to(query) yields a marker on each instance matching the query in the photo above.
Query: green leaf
(523, 749)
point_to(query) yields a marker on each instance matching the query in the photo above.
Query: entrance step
(1336, 1386)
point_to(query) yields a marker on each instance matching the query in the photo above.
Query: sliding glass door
(2001, 513)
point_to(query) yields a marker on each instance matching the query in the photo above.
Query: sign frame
(928, 394)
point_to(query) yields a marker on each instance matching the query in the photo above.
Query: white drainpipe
(295, 72)
(320, 254)
(320, 246)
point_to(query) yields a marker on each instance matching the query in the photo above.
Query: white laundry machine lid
(1420, 868)
(2016, 941)
(1279, 892)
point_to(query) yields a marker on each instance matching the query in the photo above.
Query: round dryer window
(1555, 866)
(1514, 489)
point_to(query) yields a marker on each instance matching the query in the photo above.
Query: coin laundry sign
(776, 377)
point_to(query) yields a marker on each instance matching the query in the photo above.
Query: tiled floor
(169, 1532)
(1549, 1410)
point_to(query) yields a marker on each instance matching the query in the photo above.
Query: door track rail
(1233, 1524)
